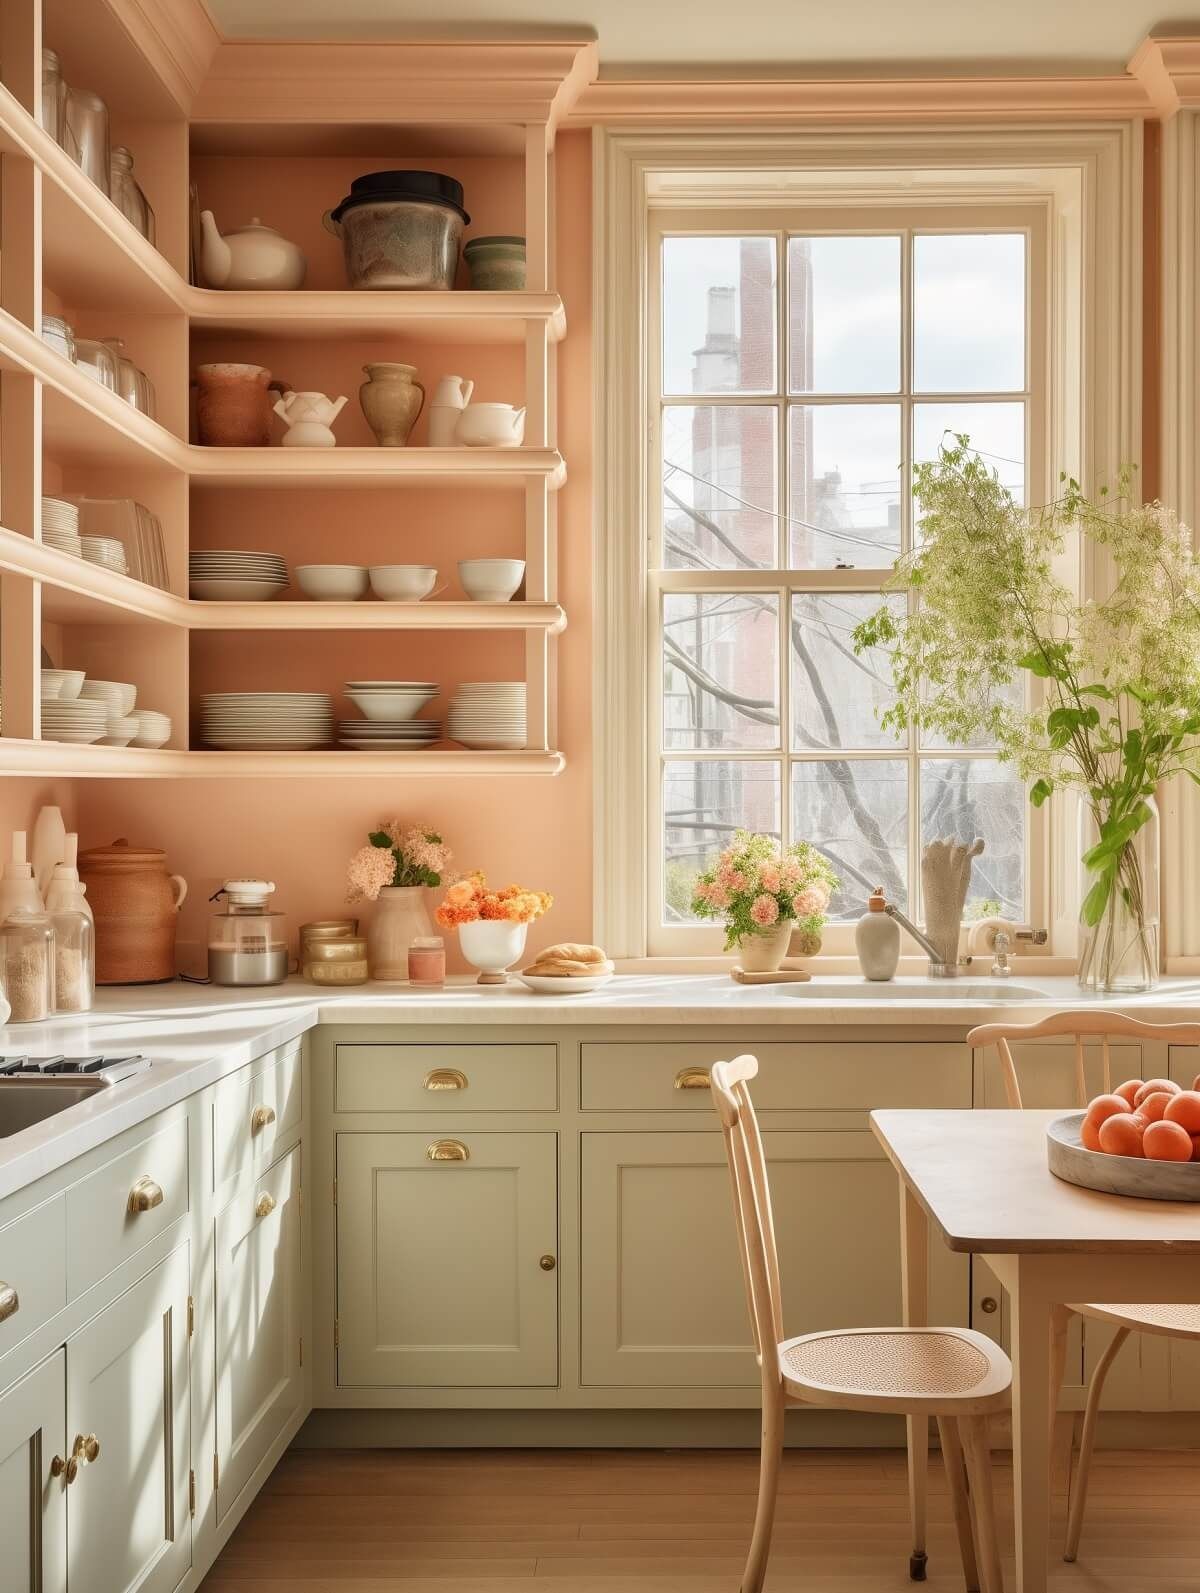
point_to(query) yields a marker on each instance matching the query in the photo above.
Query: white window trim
(1090, 180)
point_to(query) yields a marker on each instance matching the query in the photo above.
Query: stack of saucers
(233, 576)
(383, 735)
(488, 714)
(105, 551)
(280, 721)
(78, 719)
(60, 526)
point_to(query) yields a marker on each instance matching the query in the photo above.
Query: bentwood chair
(1171, 1321)
(953, 1374)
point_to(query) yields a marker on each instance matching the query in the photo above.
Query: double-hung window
(799, 363)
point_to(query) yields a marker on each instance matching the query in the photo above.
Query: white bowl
(120, 731)
(402, 583)
(491, 580)
(154, 729)
(119, 695)
(391, 704)
(332, 583)
(66, 683)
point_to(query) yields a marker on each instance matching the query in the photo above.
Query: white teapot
(491, 426)
(309, 418)
(450, 397)
(253, 256)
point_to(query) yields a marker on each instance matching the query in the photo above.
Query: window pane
(845, 486)
(1013, 693)
(719, 487)
(844, 315)
(836, 695)
(966, 797)
(718, 315)
(856, 811)
(703, 803)
(969, 313)
(997, 433)
(721, 670)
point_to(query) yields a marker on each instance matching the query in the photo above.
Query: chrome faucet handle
(1035, 937)
(1001, 945)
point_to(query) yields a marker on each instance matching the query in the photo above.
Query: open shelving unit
(66, 249)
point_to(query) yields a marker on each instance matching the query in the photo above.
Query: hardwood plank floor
(612, 1521)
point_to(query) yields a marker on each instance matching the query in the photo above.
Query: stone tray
(1116, 1175)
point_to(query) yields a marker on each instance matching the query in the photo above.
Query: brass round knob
(264, 1205)
(86, 1449)
(548, 1263)
(989, 1303)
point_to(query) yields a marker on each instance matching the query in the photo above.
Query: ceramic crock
(764, 953)
(392, 398)
(233, 405)
(136, 905)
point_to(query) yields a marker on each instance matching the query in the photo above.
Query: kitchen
(715, 304)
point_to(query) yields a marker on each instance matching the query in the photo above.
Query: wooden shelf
(372, 616)
(440, 317)
(51, 759)
(372, 467)
(75, 592)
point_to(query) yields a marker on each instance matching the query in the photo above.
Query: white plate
(367, 686)
(569, 985)
(267, 696)
(222, 591)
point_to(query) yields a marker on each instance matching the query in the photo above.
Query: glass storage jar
(74, 960)
(27, 965)
(98, 360)
(247, 943)
(54, 97)
(126, 192)
(134, 386)
(87, 125)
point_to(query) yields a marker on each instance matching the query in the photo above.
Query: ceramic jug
(491, 426)
(135, 903)
(391, 399)
(233, 405)
(309, 417)
(253, 256)
(450, 397)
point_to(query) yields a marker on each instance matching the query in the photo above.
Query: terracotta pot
(136, 906)
(391, 399)
(764, 953)
(233, 405)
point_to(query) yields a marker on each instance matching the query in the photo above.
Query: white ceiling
(786, 37)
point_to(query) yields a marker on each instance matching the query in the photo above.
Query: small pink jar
(427, 961)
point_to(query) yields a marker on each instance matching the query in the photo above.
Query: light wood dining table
(981, 1179)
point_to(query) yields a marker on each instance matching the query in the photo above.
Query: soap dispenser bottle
(877, 939)
(18, 888)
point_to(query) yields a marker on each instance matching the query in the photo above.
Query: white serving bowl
(118, 695)
(62, 683)
(491, 580)
(153, 729)
(332, 583)
(391, 704)
(120, 731)
(402, 583)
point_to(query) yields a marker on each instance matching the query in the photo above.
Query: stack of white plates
(82, 719)
(106, 551)
(283, 721)
(383, 735)
(153, 728)
(489, 714)
(118, 696)
(233, 576)
(60, 526)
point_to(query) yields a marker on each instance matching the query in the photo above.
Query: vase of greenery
(1098, 696)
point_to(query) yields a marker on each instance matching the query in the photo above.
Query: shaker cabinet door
(33, 1503)
(447, 1260)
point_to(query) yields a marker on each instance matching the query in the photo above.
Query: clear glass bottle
(54, 96)
(27, 965)
(126, 192)
(87, 125)
(74, 961)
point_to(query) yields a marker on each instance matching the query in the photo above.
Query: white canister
(877, 939)
(450, 398)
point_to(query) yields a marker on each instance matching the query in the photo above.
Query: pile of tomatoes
(1152, 1118)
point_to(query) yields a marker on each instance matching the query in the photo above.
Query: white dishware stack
(60, 526)
(118, 697)
(152, 728)
(389, 723)
(489, 715)
(279, 721)
(107, 552)
(232, 575)
(80, 720)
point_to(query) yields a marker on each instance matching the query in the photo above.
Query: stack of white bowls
(233, 576)
(60, 526)
(280, 721)
(152, 728)
(489, 714)
(107, 552)
(118, 698)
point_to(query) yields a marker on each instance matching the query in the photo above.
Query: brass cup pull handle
(10, 1301)
(444, 1079)
(448, 1150)
(264, 1205)
(692, 1079)
(261, 1117)
(145, 1195)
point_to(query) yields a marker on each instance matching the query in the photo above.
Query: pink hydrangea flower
(718, 897)
(732, 879)
(810, 901)
(371, 868)
(770, 877)
(764, 910)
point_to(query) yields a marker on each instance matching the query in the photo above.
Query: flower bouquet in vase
(395, 871)
(492, 925)
(764, 895)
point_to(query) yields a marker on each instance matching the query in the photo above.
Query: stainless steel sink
(23, 1104)
(982, 991)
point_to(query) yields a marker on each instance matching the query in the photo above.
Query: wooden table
(981, 1178)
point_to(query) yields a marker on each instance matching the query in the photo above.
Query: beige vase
(764, 953)
(391, 399)
(400, 917)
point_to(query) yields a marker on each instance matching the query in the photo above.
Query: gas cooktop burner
(113, 1067)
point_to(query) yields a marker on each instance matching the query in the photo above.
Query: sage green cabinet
(33, 1504)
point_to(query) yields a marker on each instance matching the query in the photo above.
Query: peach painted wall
(300, 833)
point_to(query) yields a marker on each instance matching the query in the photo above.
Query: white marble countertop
(196, 1034)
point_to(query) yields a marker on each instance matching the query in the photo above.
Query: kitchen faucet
(937, 968)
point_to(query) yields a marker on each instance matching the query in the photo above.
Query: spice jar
(74, 960)
(27, 965)
(427, 961)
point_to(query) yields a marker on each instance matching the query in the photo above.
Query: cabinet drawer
(805, 1076)
(253, 1111)
(33, 1264)
(120, 1207)
(446, 1078)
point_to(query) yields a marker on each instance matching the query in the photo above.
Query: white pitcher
(450, 398)
(491, 426)
(308, 417)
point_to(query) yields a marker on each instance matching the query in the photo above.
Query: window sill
(910, 967)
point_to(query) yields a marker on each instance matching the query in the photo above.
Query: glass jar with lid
(126, 192)
(54, 96)
(27, 965)
(247, 942)
(87, 129)
(74, 960)
(98, 361)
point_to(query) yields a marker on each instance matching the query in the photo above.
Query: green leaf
(1036, 664)
(1096, 900)
(1096, 691)
(1039, 791)
(378, 838)
(1115, 834)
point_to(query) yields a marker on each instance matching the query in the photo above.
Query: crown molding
(178, 38)
(1168, 67)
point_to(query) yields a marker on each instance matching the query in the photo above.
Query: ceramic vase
(400, 917)
(391, 399)
(492, 945)
(1120, 949)
(233, 405)
(764, 953)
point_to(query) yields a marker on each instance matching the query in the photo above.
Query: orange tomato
(1153, 1087)
(1153, 1107)
(1127, 1091)
(1184, 1109)
(1167, 1142)
(1121, 1135)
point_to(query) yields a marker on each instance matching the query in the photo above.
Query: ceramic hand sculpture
(945, 876)
(308, 417)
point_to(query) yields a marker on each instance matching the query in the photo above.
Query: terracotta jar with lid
(136, 906)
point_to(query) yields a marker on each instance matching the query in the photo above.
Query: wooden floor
(569, 1521)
